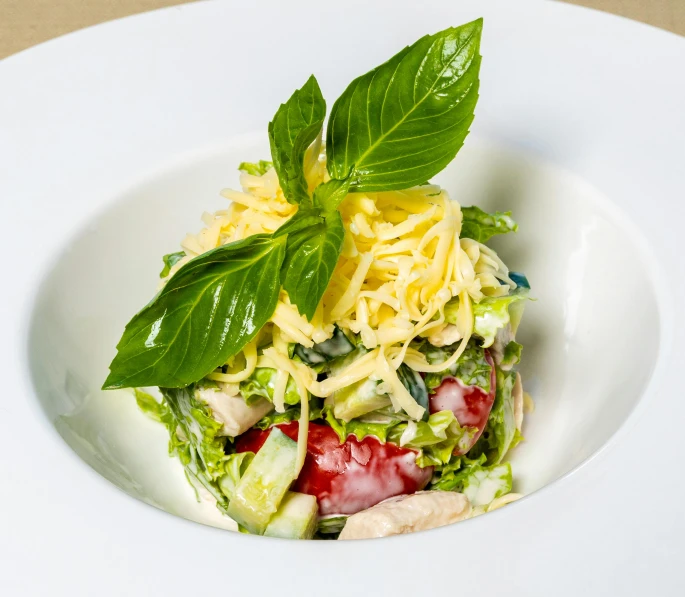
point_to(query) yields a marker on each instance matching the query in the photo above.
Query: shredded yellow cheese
(402, 261)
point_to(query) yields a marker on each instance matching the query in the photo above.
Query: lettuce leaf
(472, 368)
(234, 467)
(484, 484)
(194, 440)
(494, 313)
(358, 427)
(450, 476)
(170, 260)
(482, 226)
(500, 430)
(436, 438)
(261, 384)
(511, 355)
(290, 414)
(480, 483)
(256, 169)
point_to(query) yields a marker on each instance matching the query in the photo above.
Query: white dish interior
(585, 368)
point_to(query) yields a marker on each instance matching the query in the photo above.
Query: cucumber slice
(261, 489)
(415, 385)
(296, 517)
(336, 346)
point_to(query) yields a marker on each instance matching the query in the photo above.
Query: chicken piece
(446, 336)
(517, 393)
(230, 409)
(406, 514)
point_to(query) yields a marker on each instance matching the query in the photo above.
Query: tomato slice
(471, 405)
(349, 477)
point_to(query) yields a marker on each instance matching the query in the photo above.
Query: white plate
(115, 139)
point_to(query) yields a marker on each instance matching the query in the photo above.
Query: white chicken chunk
(406, 514)
(447, 336)
(229, 408)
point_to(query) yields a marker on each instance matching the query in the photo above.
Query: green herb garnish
(392, 128)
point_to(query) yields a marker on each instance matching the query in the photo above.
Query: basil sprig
(209, 310)
(392, 128)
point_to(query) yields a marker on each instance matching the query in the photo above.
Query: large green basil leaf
(296, 124)
(404, 121)
(210, 309)
(312, 255)
(482, 226)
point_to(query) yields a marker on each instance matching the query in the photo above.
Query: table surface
(25, 23)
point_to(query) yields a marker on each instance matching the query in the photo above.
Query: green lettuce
(195, 441)
(500, 434)
(480, 483)
(358, 427)
(493, 313)
(169, 261)
(290, 414)
(482, 226)
(234, 468)
(261, 384)
(484, 484)
(472, 368)
(511, 355)
(436, 438)
(255, 169)
(157, 411)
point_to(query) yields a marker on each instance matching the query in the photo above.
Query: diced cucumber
(336, 346)
(261, 489)
(357, 399)
(296, 517)
(341, 363)
(415, 385)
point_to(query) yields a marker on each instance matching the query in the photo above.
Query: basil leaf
(312, 256)
(404, 121)
(296, 124)
(209, 310)
(482, 226)
(303, 219)
(169, 261)
(330, 194)
(259, 168)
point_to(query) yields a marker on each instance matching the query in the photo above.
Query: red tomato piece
(349, 477)
(470, 404)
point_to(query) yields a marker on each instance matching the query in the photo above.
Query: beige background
(24, 23)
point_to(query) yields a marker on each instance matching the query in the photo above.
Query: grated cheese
(402, 261)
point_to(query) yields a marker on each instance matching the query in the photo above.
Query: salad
(334, 353)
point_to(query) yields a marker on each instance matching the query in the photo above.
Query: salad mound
(335, 350)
